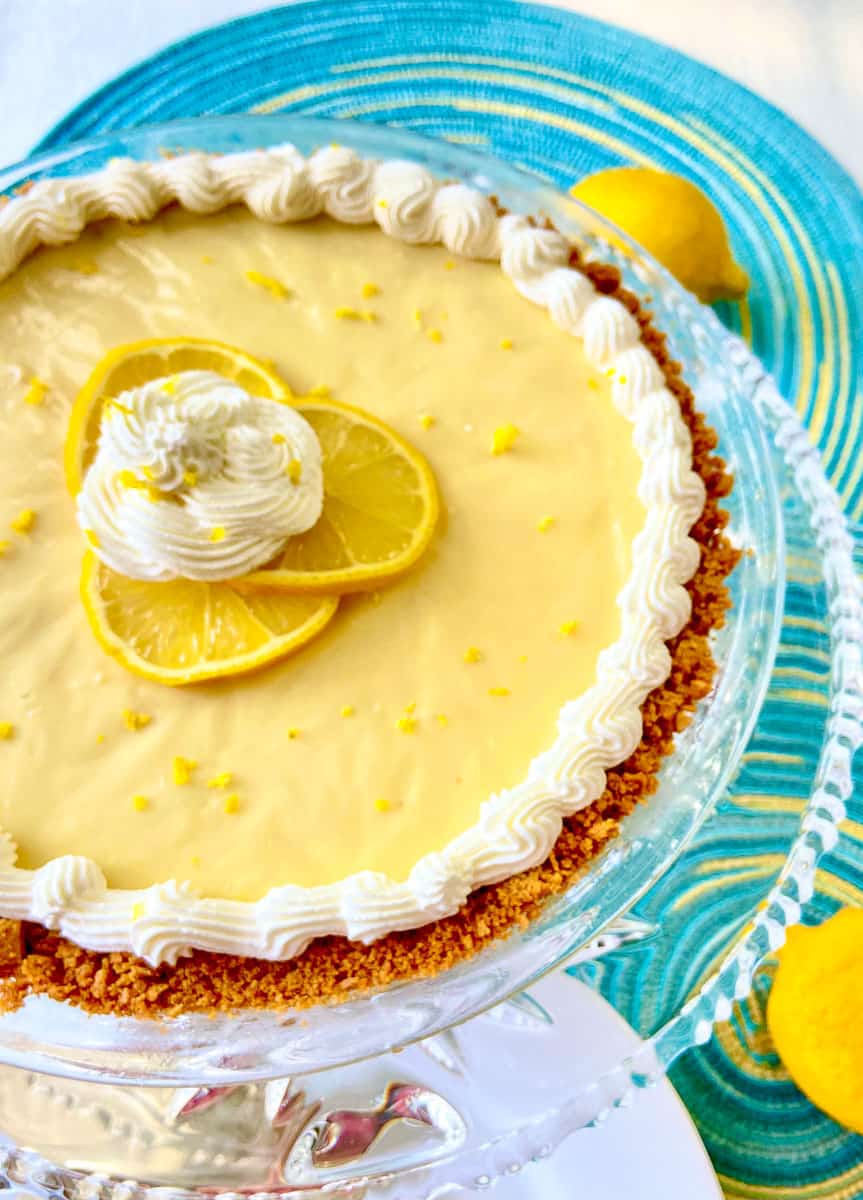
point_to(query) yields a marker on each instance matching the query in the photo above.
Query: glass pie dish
(254, 1073)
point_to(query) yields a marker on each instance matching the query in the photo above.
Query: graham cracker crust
(35, 960)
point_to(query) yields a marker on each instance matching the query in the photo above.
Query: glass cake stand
(411, 1089)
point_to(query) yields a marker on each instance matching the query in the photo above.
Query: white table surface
(803, 55)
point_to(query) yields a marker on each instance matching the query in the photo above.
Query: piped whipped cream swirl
(194, 478)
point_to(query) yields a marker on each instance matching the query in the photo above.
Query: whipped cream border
(516, 828)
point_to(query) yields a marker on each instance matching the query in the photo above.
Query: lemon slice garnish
(380, 511)
(380, 507)
(184, 632)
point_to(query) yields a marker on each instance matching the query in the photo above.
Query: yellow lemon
(135, 363)
(672, 219)
(813, 1014)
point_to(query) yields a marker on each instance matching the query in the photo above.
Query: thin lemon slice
(135, 363)
(380, 508)
(186, 632)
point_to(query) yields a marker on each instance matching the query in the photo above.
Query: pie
(361, 549)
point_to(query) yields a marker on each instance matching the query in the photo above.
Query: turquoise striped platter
(561, 95)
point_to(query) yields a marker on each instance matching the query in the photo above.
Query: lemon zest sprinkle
(568, 627)
(231, 804)
(190, 478)
(110, 403)
(269, 284)
(442, 720)
(4, 546)
(369, 290)
(100, 738)
(504, 438)
(345, 313)
(293, 733)
(294, 470)
(36, 392)
(417, 317)
(135, 721)
(155, 495)
(222, 780)
(499, 691)
(382, 805)
(140, 803)
(278, 439)
(368, 316)
(195, 860)
(182, 770)
(449, 265)
(621, 379)
(7, 731)
(434, 335)
(217, 534)
(427, 420)
(382, 203)
(545, 523)
(320, 391)
(138, 910)
(148, 472)
(593, 383)
(348, 710)
(506, 343)
(206, 258)
(611, 372)
(169, 387)
(411, 708)
(472, 655)
(406, 724)
(522, 658)
(128, 479)
(24, 522)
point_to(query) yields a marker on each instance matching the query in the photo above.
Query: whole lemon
(813, 1014)
(673, 220)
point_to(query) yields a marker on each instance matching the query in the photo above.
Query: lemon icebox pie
(360, 550)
